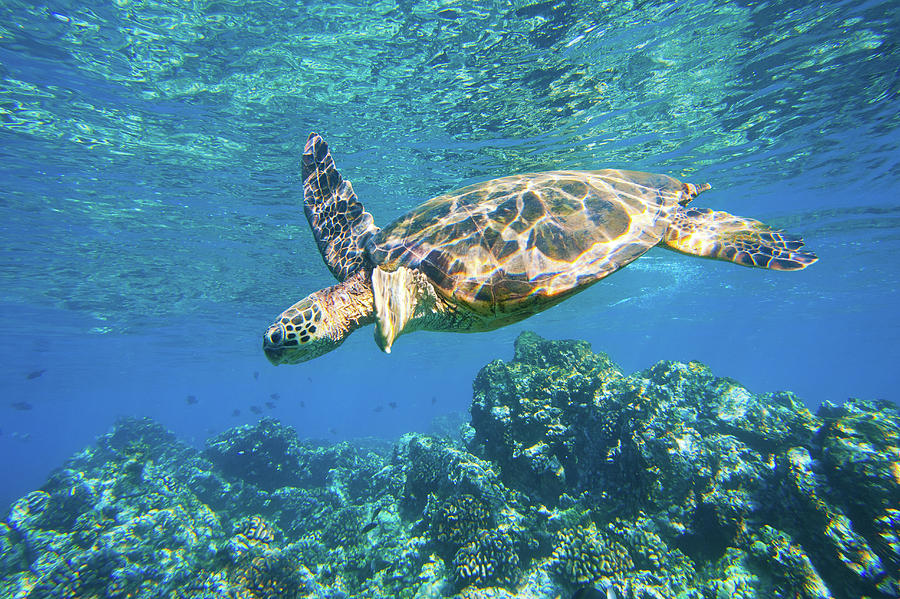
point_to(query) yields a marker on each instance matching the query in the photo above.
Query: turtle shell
(529, 240)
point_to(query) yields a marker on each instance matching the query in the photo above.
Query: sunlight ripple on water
(133, 126)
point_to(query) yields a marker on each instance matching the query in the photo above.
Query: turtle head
(320, 322)
(301, 333)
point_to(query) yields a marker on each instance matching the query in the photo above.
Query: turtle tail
(714, 234)
(340, 224)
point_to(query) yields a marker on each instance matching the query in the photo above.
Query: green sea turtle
(496, 252)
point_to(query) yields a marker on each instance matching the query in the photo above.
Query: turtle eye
(274, 335)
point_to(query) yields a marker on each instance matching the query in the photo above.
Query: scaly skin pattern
(744, 241)
(338, 220)
(322, 319)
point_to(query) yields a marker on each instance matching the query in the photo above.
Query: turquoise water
(152, 227)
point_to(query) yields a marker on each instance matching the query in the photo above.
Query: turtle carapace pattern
(496, 252)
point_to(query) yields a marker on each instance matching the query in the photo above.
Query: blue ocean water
(152, 226)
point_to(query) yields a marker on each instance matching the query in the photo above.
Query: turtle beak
(274, 355)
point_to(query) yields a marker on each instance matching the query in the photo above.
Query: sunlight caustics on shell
(503, 242)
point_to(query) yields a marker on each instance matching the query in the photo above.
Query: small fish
(433, 400)
(378, 408)
(309, 379)
(236, 412)
(24, 437)
(21, 405)
(270, 405)
(256, 375)
(275, 396)
(368, 527)
(256, 409)
(35, 373)
(302, 404)
(393, 404)
(191, 399)
(333, 431)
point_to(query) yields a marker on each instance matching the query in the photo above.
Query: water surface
(151, 225)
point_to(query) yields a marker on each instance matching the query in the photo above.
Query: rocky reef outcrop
(670, 482)
(692, 472)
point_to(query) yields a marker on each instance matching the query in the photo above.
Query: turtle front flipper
(338, 220)
(714, 234)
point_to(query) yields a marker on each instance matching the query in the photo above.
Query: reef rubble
(670, 482)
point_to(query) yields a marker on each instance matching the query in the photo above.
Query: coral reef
(489, 557)
(458, 518)
(670, 482)
(583, 555)
(802, 504)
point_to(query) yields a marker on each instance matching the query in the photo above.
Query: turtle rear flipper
(714, 234)
(340, 224)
